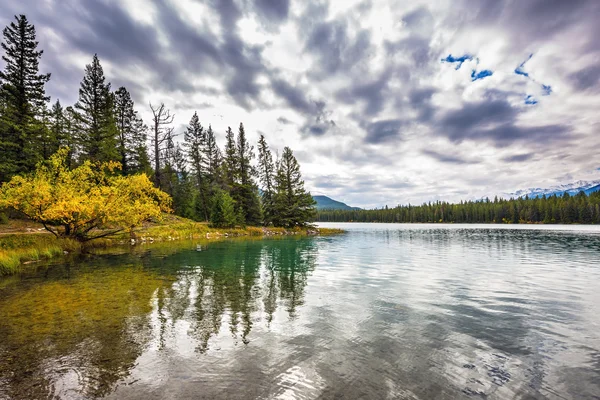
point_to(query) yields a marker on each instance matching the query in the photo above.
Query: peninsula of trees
(103, 132)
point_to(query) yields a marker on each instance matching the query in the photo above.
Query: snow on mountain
(571, 188)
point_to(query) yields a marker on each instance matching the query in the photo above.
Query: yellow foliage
(74, 203)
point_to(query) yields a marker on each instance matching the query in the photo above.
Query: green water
(383, 311)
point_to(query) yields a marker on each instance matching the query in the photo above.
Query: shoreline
(21, 249)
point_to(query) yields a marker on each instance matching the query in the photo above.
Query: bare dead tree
(162, 134)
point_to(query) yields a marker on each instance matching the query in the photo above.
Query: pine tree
(131, 134)
(196, 143)
(293, 206)
(266, 171)
(230, 163)
(47, 141)
(212, 156)
(71, 128)
(98, 135)
(22, 97)
(245, 193)
(58, 124)
(181, 185)
(223, 214)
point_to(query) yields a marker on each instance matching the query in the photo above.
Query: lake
(383, 311)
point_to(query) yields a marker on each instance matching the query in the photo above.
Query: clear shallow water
(383, 311)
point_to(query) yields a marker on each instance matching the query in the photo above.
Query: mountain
(326, 203)
(571, 188)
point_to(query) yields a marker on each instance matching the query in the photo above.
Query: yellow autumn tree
(88, 202)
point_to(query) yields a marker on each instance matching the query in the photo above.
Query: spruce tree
(223, 214)
(58, 124)
(98, 135)
(212, 156)
(131, 134)
(71, 128)
(195, 143)
(293, 205)
(246, 192)
(181, 185)
(230, 169)
(22, 99)
(266, 171)
(47, 141)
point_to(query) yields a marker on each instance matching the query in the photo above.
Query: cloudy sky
(383, 102)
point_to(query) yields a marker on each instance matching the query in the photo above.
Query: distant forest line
(565, 209)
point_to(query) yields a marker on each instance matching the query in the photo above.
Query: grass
(18, 249)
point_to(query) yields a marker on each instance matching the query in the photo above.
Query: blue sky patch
(475, 76)
(459, 60)
(547, 89)
(530, 100)
(519, 69)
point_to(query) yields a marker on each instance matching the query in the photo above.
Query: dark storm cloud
(384, 130)
(277, 10)
(317, 117)
(448, 158)
(518, 158)
(420, 100)
(337, 50)
(371, 94)
(530, 22)
(414, 49)
(294, 96)
(587, 78)
(191, 51)
(494, 121)
(419, 19)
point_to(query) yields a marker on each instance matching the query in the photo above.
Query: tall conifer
(98, 133)
(293, 205)
(22, 99)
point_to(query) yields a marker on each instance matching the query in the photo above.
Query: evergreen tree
(223, 214)
(245, 194)
(71, 127)
(181, 185)
(47, 141)
(58, 125)
(98, 135)
(212, 156)
(22, 98)
(195, 143)
(131, 134)
(266, 172)
(230, 162)
(293, 206)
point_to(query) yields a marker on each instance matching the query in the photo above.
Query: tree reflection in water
(78, 328)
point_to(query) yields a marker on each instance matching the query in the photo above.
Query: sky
(383, 102)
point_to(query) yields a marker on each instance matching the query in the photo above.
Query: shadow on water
(74, 330)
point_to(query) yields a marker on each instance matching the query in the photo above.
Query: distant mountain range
(571, 188)
(327, 203)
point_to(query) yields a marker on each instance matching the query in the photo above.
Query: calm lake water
(381, 312)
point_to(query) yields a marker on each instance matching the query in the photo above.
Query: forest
(228, 187)
(565, 209)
